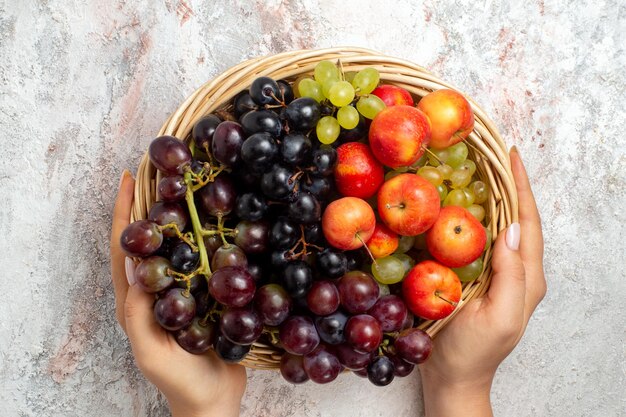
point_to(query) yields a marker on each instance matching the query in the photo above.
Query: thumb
(144, 333)
(508, 287)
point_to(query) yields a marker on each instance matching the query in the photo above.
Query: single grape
(273, 304)
(477, 211)
(212, 243)
(303, 114)
(470, 271)
(298, 335)
(252, 237)
(242, 326)
(407, 261)
(431, 174)
(218, 198)
(227, 141)
(202, 133)
(469, 197)
(296, 149)
(469, 166)
(292, 368)
(355, 258)
(341, 93)
(278, 183)
(388, 270)
(151, 274)
(264, 90)
(366, 80)
(308, 87)
(389, 175)
(197, 337)
(352, 359)
(442, 189)
(305, 209)
(326, 70)
(323, 298)
(480, 190)
(230, 352)
(327, 130)
(163, 213)
(261, 121)
(228, 255)
(320, 187)
(460, 178)
(436, 157)
(401, 367)
(457, 154)
(259, 151)
(321, 365)
(279, 259)
(324, 161)
(357, 291)
(250, 206)
(141, 238)
(348, 117)
(446, 171)
(405, 244)
(232, 286)
(390, 311)
(413, 345)
(331, 263)
(455, 198)
(313, 232)
(363, 333)
(370, 106)
(331, 327)
(286, 92)
(169, 155)
(175, 309)
(297, 278)
(172, 188)
(381, 371)
(243, 103)
(184, 259)
(284, 233)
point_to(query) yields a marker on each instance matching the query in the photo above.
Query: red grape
(175, 309)
(321, 365)
(227, 140)
(163, 213)
(232, 286)
(358, 292)
(401, 367)
(352, 359)
(292, 368)
(172, 188)
(323, 298)
(141, 238)
(151, 274)
(242, 326)
(196, 338)
(273, 304)
(230, 255)
(230, 352)
(169, 155)
(413, 345)
(363, 333)
(390, 311)
(218, 198)
(298, 335)
(252, 237)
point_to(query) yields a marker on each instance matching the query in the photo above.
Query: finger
(506, 295)
(531, 245)
(121, 219)
(143, 331)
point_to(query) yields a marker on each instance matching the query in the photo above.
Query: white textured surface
(85, 85)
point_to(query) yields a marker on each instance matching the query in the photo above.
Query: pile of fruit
(326, 217)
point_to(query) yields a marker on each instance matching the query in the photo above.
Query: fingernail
(130, 271)
(514, 149)
(513, 236)
(124, 173)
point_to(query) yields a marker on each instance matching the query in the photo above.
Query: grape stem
(182, 277)
(305, 245)
(185, 238)
(205, 268)
(431, 153)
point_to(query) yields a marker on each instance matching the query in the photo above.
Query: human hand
(194, 385)
(457, 377)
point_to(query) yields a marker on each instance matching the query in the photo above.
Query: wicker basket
(486, 147)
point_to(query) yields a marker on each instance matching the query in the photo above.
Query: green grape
(443, 191)
(468, 165)
(308, 87)
(489, 238)
(349, 76)
(389, 175)
(460, 178)
(407, 261)
(296, 85)
(420, 162)
(348, 117)
(469, 272)
(326, 71)
(477, 211)
(469, 196)
(420, 242)
(446, 170)
(327, 85)
(455, 198)
(341, 93)
(388, 270)
(438, 156)
(431, 174)
(481, 191)
(405, 244)
(457, 154)
(327, 130)
(366, 80)
(370, 106)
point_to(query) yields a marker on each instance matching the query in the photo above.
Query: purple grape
(163, 213)
(273, 304)
(227, 141)
(295, 149)
(352, 359)
(363, 333)
(203, 131)
(141, 238)
(252, 237)
(380, 371)
(358, 292)
(230, 352)
(184, 259)
(284, 233)
(331, 263)
(232, 286)
(212, 243)
(323, 298)
(242, 326)
(278, 182)
(218, 197)
(298, 335)
(286, 92)
(197, 338)
(172, 188)
(250, 206)
(258, 121)
(390, 311)
(305, 209)
(259, 151)
(175, 310)
(292, 368)
(151, 274)
(321, 365)
(169, 155)
(401, 367)
(324, 161)
(243, 103)
(360, 372)
(264, 90)
(303, 114)
(413, 345)
(331, 328)
(230, 255)
(297, 278)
